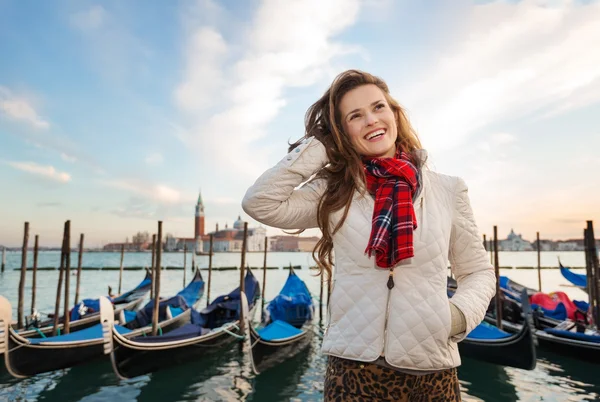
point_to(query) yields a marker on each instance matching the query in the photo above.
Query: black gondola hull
(266, 354)
(129, 362)
(517, 350)
(587, 351)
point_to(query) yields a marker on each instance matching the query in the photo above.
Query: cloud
(154, 159)
(509, 60)
(68, 158)
(90, 19)
(159, 193)
(48, 172)
(206, 51)
(49, 204)
(19, 108)
(288, 44)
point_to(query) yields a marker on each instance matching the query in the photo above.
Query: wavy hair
(344, 174)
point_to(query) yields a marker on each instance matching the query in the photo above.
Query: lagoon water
(227, 376)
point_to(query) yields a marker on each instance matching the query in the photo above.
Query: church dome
(239, 224)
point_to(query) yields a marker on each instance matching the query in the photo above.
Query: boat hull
(267, 354)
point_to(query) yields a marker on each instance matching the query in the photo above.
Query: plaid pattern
(392, 182)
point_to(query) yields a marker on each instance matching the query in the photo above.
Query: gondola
(490, 344)
(579, 280)
(572, 344)
(25, 357)
(215, 326)
(87, 313)
(286, 327)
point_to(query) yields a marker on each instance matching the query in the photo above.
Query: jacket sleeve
(276, 199)
(470, 264)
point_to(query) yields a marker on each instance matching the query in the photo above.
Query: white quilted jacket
(409, 324)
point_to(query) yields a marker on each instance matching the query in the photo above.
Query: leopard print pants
(352, 381)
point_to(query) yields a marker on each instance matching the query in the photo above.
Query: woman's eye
(353, 116)
(379, 106)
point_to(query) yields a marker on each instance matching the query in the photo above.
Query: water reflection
(486, 381)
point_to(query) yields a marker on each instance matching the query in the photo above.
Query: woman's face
(369, 121)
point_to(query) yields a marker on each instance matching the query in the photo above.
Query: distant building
(570, 245)
(514, 242)
(307, 243)
(230, 239)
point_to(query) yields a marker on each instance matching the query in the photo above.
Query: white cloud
(289, 44)
(205, 54)
(89, 19)
(48, 172)
(68, 158)
(156, 192)
(154, 159)
(510, 61)
(19, 108)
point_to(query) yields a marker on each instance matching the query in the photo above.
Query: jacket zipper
(390, 286)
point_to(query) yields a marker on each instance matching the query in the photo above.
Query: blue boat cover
(581, 305)
(175, 311)
(293, 304)
(573, 335)
(559, 313)
(575, 278)
(278, 330)
(129, 315)
(94, 332)
(89, 306)
(487, 331)
(144, 316)
(193, 291)
(222, 310)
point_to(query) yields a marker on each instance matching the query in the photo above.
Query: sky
(115, 114)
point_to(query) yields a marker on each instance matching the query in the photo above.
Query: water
(226, 376)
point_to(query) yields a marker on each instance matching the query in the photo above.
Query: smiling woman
(389, 337)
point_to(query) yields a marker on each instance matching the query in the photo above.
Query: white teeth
(375, 134)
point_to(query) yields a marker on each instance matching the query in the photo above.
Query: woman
(394, 225)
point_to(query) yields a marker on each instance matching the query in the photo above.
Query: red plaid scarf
(392, 181)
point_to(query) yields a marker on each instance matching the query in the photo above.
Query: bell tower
(199, 221)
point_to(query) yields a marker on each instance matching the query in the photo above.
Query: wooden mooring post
(242, 275)
(3, 258)
(61, 273)
(121, 268)
(36, 245)
(152, 270)
(210, 255)
(79, 266)
(264, 284)
(485, 245)
(67, 318)
(539, 258)
(23, 276)
(157, 277)
(593, 273)
(184, 262)
(497, 271)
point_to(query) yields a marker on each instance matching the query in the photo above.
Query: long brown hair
(344, 174)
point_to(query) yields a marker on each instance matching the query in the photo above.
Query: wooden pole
(152, 270)
(121, 268)
(322, 277)
(79, 265)
(3, 258)
(61, 273)
(595, 271)
(497, 270)
(539, 255)
(34, 279)
(157, 286)
(193, 267)
(23, 275)
(264, 284)
(485, 245)
(210, 253)
(242, 275)
(67, 318)
(184, 262)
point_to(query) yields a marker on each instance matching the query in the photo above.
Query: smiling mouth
(375, 134)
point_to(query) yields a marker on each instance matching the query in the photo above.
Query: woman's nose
(370, 119)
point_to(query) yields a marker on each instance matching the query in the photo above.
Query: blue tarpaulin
(487, 331)
(278, 330)
(90, 333)
(293, 304)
